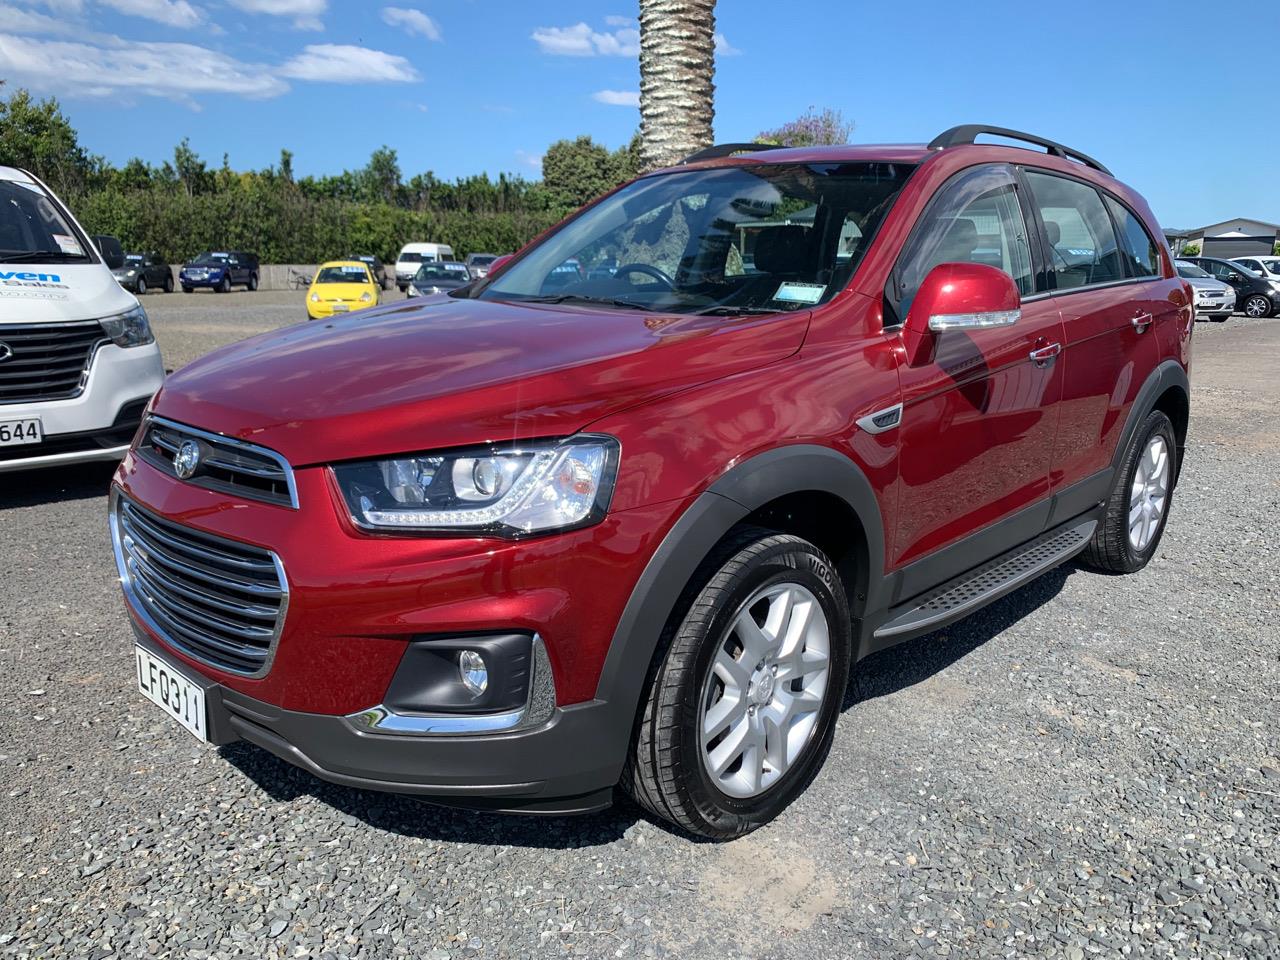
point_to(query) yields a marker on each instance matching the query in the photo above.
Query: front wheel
(141, 287)
(224, 286)
(186, 289)
(253, 282)
(168, 283)
(1257, 306)
(742, 706)
(1138, 507)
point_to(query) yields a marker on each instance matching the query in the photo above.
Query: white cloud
(621, 21)
(17, 20)
(412, 21)
(530, 159)
(580, 40)
(618, 98)
(175, 71)
(306, 13)
(343, 63)
(173, 13)
(724, 48)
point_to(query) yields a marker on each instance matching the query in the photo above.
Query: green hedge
(284, 226)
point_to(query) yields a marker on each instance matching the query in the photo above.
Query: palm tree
(677, 71)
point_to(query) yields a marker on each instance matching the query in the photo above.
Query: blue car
(220, 271)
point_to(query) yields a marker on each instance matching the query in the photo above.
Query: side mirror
(111, 251)
(1234, 277)
(958, 296)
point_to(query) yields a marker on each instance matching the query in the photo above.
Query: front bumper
(1216, 305)
(358, 602)
(187, 281)
(99, 423)
(328, 308)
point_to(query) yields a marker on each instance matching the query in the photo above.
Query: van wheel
(1138, 507)
(742, 702)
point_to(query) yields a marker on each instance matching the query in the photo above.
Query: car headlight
(506, 491)
(366, 297)
(128, 329)
(315, 298)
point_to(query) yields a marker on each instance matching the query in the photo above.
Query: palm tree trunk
(677, 71)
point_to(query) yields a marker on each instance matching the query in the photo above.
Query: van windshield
(33, 230)
(742, 239)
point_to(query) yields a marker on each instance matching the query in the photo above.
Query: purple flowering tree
(811, 129)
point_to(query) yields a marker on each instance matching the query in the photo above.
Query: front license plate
(172, 692)
(16, 432)
(341, 308)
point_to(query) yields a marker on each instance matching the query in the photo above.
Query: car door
(1228, 273)
(978, 420)
(1108, 317)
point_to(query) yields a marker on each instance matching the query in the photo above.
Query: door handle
(1141, 322)
(1044, 355)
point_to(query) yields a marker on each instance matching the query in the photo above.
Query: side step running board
(993, 579)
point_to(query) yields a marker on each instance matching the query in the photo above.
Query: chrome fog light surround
(537, 709)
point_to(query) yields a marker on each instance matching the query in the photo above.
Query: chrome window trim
(539, 705)
(284, 465)
(139, 609)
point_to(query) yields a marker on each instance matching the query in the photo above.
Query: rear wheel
(1257, 306)
(253, 282)
(742, 706)
(141, 286)
(1138, 507)
(168, 283)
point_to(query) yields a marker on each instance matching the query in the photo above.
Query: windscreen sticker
(68, 245)
(789, 292)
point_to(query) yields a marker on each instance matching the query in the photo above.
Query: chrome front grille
(46, 361)
(223, 463)
(219, 601)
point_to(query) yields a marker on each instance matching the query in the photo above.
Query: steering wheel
(647, 271)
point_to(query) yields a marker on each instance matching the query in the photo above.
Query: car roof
(342, 263)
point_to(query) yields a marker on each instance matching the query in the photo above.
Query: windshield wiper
(41, 256)
(584, 298)
(723, 310)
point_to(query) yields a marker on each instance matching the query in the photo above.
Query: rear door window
(1081, 241)
(1141, 255)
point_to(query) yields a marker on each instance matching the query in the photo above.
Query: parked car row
(1257, 293)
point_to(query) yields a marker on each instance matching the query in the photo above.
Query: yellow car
(341, 286)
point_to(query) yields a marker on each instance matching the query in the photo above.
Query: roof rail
(969, 132)
(728, 150)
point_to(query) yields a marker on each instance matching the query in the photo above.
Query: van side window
(974, 218)
(1140, 252)
(1082, 247)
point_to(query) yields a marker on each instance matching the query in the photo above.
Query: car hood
(1207, 283)
(204, 266)
(36, 293)
(445, 372)
(341, 291)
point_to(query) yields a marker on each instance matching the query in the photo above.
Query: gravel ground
(1088, 768)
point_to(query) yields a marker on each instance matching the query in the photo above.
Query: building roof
(1223, 223)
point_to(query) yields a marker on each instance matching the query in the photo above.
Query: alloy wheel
(764, 690)
(1149, 494)
(1256, 307)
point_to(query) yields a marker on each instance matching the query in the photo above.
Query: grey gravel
(1087, 769)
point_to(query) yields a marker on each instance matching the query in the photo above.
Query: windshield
(1270, 264)
(411, 257)
(481, 259)
(441, 271)
(1189, 270)
(349, 273)
(32, 228)
(758, 238)
(212, 259)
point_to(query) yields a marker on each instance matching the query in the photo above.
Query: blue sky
(466, 86)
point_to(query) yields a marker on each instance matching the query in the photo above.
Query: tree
(810, 129)
(677, 79)
(380, 180)
(189, 168)
(576, 171)
(36, 136)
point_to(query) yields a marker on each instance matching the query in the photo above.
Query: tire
(1257, 306)
(224, 285)
(1113, 548)
(253, 283)
(168, 283)
(186, 289)
(667, 771)
(140, 288)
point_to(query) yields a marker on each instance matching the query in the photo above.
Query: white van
(414, 255)
(78, 361)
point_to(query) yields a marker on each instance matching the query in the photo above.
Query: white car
(78, 361)
(1269, 267)
(1214, 299)
(414, 255)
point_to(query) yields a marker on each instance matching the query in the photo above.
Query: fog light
(472, 670)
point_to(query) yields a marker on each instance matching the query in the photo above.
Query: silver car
(1214, 299)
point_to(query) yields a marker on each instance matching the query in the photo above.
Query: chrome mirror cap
(973, 321)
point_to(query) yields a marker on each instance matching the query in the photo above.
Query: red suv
(626, 512)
